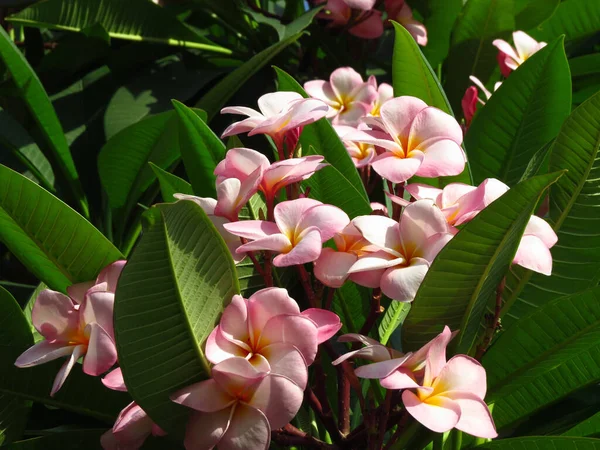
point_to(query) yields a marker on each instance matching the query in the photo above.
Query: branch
(494, 323)
(291, 436)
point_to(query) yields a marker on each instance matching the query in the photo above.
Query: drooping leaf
(54, 242)
(52, 137)
(544, 357)
(216, 98)
(285, 31)
(134, 20)
(81, 393)
(574, 215)
(170, 294)
(587, 428)
(170, 184)
(542, 443)
(525, 113)
(201, 150)
(468, 269)
(531, 13)
(574, 18)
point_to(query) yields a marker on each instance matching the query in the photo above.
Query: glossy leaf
(544, 357)
(393, 317)
(52, 137)
(351, 303)
(134, 20)
(531, 13)
(587, 428)
(170, 184)
(174, 287)
(439, 28)
(574, 214)
(53, 241)
(542, 443)
(215, 99)
(525, 113)
(585, 65)
(285, 31)
(468, 269)
(201, 150)
(575, 19)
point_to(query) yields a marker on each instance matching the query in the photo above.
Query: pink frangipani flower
(418, 139)
(399, 11)
(301, 227)
(372, 350)
(385, 92)
(412, 245)
(130, 431)
(280, 113)
(361, 154)
(270, 332)
(348, 96)
(368, 23)
(75, 326)
(243, 163)
(471, 98)
(510, 58)
(238, 407)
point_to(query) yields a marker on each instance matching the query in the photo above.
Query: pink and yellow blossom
(399, 11)
(509, 58)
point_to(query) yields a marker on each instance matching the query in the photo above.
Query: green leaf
(468, 269)
(216, 98)
(81, 393)
(134, 20)
(585, 65)
(544, 357)
(472, 52)
(68, 440)
(170, 184)
(542, 443)
(324, 141)
(201, 150)
(587, 428)
(394, 316)
(54, 242)
(170, 295)
(526, 112)
(538, 164)
(574, 18)
(285, 31)
(439, 28)
(531, 13)
(52, 137)
(574, 215)
(28, 308)
(351, 302)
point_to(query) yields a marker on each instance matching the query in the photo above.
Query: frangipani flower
(419, 140)
(368, 24)
(399, 11)
(348, 96)
(471, 98)
(241, 163)
(76, 326)
(238, 407)
(372, 350)
(332, 267)
(412, 243)
(385, 92)
(130, 431)
(280, 112)
(361, 154)
(301, 227)
(510, 58)
(270, 332)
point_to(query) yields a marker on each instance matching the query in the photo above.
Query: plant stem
(375, 312)
(494, 323)
(329, 300)
(306, 284)
(383, 420)
(343, 402)
(323, 411)
(291, 436)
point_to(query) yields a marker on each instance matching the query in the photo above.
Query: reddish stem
(343, 402)
(323, 412)
(306, 284)
(291, 436)
(376, 311)
(494, 323)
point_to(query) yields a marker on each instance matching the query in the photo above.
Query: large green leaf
(525, 113)
(201, 150)
(216, 98)
(170, 294)
(587, 428)
(52, 137)
(81, 393)
(439, 28)
(542, 443)
(320, 138)
(472, 52)
(285, 31)
(351, 302)
(54, 242)
(468, 269)
(393, 317)
(68, 440)
(531, 13)
(585, 65)
(135, 20)
(544, 357)
(574, 214)
(170, 184)
(573, 18)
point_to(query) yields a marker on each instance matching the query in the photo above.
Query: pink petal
(344, 80)
(101, 353)
(539, 228)
(397, 169)
(292, 329)
(332, 267)
(54, 315)
(242, 110)
(322, 90)
(110, 275)
(206, 396)
(279, 398)
(277, 242)
(252, 229)
(243, 126)
(266, 304)
(306, 250)
(233, 325)
(236, 375)
(494, 189)
(469, 104)
(114, 380)
(420, 221)
(423, 191)
(399, 379)
(132, 427)
(43, 352)
(327, 323)
(442, 158)
(65, 369)
(98, 308)
(506, 48)
(380, 231)
(284, 359)
(381, 369)
(207, 204)
(329, 219)
(375, 262)
(304, 112)
(288, 171)
(205, 430)
(289, 213)
(233, 194)
(218, 348)
(355, 337)
(364, 5)
(525, 44)
(232, 241)
(240, 163)
(371, 352)
(77, 291)
(417, 30)
(273, 103)
(434, 352)
(369, 28)
(461, 373)
(374, 137)
(475, 417)
(249, 429)
(367, 278)
(534, 255)
(352, 113)
(398, 114)
(434, 245)
(402, 284)
(439, 414)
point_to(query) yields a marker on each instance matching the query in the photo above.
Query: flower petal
(420, 221)
(344, 80)
(398, 114)
(439, 414)
(77, 291)
(286, 360)
(205, 430)
(525, 44)
(276, 242)
(540, 228)
(54, 315)
(114, 380)
(402, 284)
(306, 250)
(461, 373)
(240, 162)
(234, 322)
(252, 229)
(132, 427)
(401, 378)
(218, 348)
(329, 219)
(110, 275)
(332, 267)
(442, 158)
(101, 352)
(534, 255)
(289, 213)
(297, 330)
(380, 231)
(397, 169)
(65, 369)
(433, 123)
(273, 103)
(206, 396)
(43, 352)
(322, 90)
(424, 191)
(475, 417)
(236, 376)
(249, 429)
(207, 204)
(279, 398)
(327, 322)
(266, 304)
(98, 308)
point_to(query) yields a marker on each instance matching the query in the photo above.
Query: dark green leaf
(439, 28)
(68, 440)
(573, 18)
(394, 316)
(531, 13)
(170, 184)
(588, 428)
(585, 65)
(542, 443)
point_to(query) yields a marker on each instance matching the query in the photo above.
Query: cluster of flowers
(362, 19)
(509, 59)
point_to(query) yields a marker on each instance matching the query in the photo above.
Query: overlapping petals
(367, 21)
(385, 92)
(418, 139)
(301, 227)
(399, 11)
(509, 58)
(361, 154)
(77, 326)
(130, 431)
